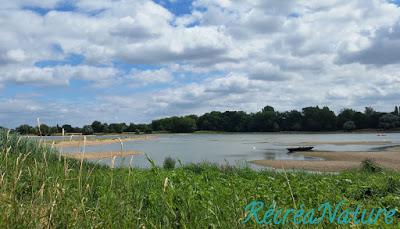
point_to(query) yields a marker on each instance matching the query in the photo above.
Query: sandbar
(100, 155)
(338, 161)
(92, 142)
(383, 142)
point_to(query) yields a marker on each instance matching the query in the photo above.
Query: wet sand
(100, 155)
(342, 143)
(338, 161)
(92, 142)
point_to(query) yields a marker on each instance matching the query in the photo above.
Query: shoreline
(335, 161)
(360, 131)
(343, 143)
(100, 155)
(97, 141)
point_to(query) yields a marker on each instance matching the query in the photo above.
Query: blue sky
(75, 61)
(177, 7)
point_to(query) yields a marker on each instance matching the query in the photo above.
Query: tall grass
(37, 190)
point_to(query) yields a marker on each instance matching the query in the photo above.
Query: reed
(38, 191)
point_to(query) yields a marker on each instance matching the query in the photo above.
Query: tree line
(266, 120)
(95, 127)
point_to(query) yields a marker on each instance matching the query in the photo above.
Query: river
(236, 148)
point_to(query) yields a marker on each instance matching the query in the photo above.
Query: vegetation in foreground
(40, 189)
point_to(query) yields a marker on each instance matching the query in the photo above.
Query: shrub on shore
(169, 163)
(369, 165)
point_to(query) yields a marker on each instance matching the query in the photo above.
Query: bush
(349, 126)
(370, 166)
(169, 163)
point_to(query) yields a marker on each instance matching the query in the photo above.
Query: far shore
(133, 135)
(333, 161)
(360, 131)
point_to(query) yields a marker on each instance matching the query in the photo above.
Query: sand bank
(338, 161)
(91, 142)
(342, 143)
(100, 155)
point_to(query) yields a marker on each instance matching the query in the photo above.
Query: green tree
(68, 128)
(143, 128)
(389, 121)
(183, 125)
(264, 121)
(349, 126)
(344, 116)
(97, 127)
(148, 130)
(25, 129)
(268, 109)
(210, 121)
(372, 117)
(317, 119)
(44, 130)
(233, 121)
(131, 128)
(106, 128)
(117, 127)
(53, 130)
(87, 130)
(76, 130)
(291, 120)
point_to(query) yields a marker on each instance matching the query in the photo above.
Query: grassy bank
(40, 189)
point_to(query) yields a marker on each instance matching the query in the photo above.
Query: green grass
(39, 189)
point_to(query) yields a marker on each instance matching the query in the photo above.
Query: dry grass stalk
(290, 188)
(38, 125)
(165, 184)
(113, 162)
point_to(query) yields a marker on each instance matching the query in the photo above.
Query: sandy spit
(338, 161)
(342, 143)
(100, 155)
(91, 142)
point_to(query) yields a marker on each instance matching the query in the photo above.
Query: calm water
(235, 149)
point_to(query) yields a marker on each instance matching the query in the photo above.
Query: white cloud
(152, 76)
(48, 4)
(58, 75)
(228, 54)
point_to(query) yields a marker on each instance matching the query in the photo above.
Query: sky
(76, 61)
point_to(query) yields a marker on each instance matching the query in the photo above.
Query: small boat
(307, 148)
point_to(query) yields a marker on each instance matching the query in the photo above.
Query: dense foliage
(39, 189)
(266, 120)
(269, 120)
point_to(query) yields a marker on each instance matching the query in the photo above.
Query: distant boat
(292, 150)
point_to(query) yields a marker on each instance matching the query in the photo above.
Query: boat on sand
(303, 148)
